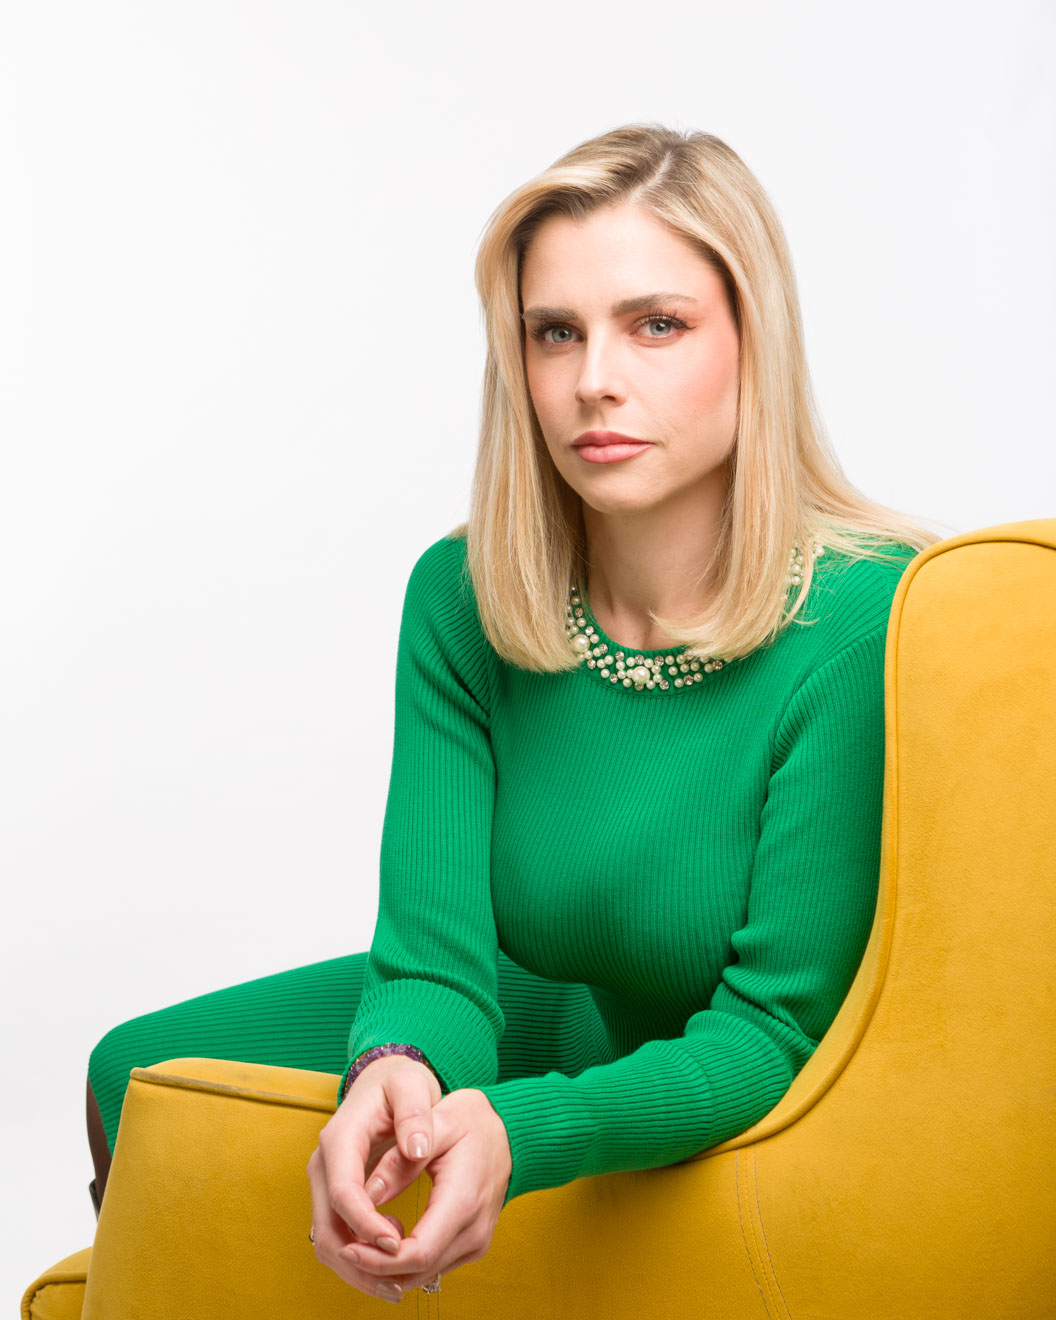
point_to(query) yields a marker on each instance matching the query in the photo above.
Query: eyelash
(656, 315)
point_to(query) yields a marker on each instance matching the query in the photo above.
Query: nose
(600, 376)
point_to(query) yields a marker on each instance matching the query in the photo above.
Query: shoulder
(851, 597)
(442, 559)
(829, 671)
(439, 584)
(440, 615)
(844, 619)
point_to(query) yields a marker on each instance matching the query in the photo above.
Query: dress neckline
(615, 646)
(660, 671)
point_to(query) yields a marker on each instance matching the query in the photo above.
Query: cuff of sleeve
(550, 1130)
(452, 1033)
(644, 1110)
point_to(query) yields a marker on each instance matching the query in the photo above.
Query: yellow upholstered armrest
(207, 1206)
(59, 1292)
(207, 1210)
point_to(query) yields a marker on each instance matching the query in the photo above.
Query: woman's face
(629, 330)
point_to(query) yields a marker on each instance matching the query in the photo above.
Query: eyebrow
(641, 303)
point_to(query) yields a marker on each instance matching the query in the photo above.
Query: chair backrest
(921, 1134)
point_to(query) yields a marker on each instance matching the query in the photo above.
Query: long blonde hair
(525, 537)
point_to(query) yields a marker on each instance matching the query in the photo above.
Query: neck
(651, 559)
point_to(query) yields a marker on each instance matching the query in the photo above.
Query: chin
(628, 501)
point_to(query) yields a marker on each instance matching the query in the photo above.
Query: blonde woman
(631, 845)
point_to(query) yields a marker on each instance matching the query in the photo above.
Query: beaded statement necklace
(648, 671)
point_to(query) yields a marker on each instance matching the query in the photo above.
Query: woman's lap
(301, 1018)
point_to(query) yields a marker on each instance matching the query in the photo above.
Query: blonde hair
(525, 537)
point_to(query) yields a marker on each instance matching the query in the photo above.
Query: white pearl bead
(640, 671)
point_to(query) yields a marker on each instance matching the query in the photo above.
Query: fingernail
(375, 1188)
(419, 1147)
(389, 1244)
(391, 1292)
(353, 1255)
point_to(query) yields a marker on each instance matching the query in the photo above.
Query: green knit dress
(627, 914)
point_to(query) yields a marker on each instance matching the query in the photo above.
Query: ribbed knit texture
(299, 1018)
(704, 861)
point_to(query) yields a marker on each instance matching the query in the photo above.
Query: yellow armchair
(908, 1171)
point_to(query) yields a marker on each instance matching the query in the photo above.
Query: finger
(329, 1231)
(443, 1234)
(342, 1150)
(392, 1174)
(411, 1097)
(411, 1281)
(354, 1254)
(377, 1150)
(451, 1211)
(333, 1247)
(397, 1225)
(388, 1288)
(377, 1265)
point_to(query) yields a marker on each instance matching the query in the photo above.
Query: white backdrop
(240, 359)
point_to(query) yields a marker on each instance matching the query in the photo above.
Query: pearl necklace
(662, 671)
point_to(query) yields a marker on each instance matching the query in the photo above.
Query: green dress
(627, 914)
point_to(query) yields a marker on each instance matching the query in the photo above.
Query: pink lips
(607, 446)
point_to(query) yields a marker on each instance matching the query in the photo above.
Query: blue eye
(649, 318)
(673, 321)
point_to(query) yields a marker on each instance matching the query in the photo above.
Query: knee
(109, 1063)
(106, 1057)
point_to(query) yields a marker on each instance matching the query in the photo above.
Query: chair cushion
(59, 1292)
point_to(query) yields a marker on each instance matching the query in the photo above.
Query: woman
(631, 843)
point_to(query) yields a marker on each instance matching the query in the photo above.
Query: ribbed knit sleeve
(810, 907)
(431, 976)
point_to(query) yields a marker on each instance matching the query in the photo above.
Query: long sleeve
(431, 976)
(810, 906)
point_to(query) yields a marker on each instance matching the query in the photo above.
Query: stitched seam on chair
(421, 1306)
(744, 1239)
(762, 1230)
(224, 1088)
(419, 1295)
(426, 1304)
(756, 1230)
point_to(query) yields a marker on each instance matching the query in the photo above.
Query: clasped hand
(370, 1151)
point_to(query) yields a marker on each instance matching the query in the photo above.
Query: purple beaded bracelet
(377, 1052)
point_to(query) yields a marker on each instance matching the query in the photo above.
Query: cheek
(544, 401)
(537, 385)
(709, 392)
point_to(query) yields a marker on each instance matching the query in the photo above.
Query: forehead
(612, 255)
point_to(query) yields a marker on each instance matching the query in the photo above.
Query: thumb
(412, 1113)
